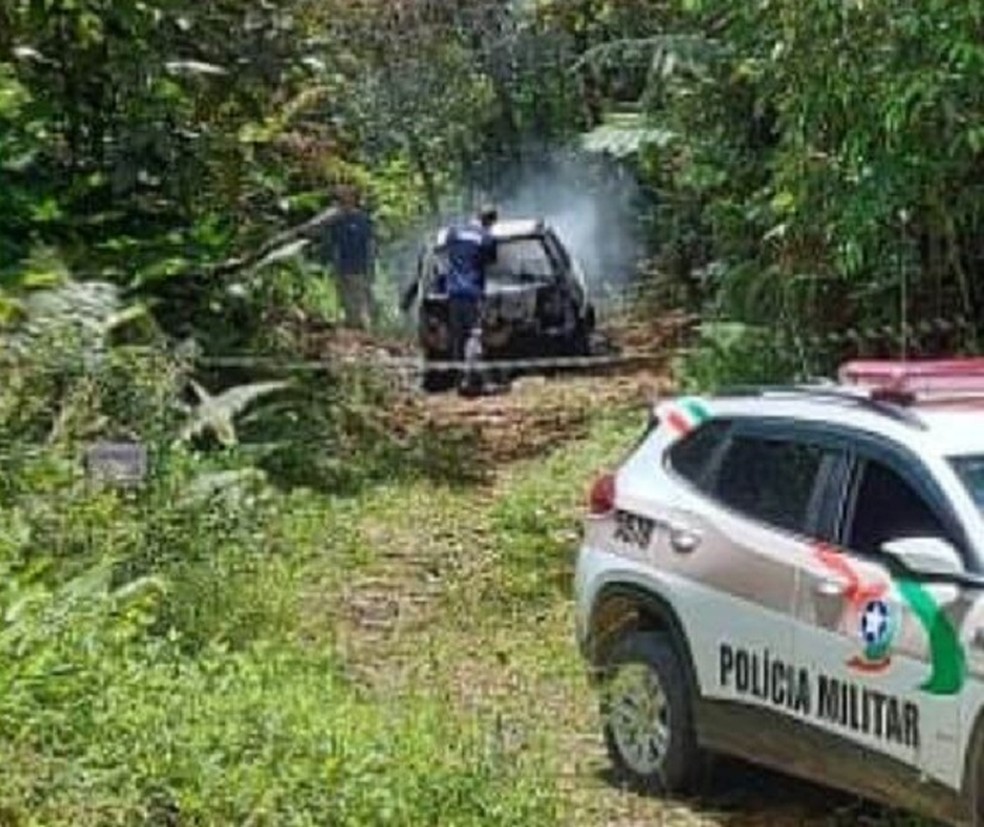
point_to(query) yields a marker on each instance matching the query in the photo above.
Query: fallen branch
(302, 232)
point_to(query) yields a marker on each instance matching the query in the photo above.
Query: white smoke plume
(596, 207)
(593, 208)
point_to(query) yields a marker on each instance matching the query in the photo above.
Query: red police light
(898, 381)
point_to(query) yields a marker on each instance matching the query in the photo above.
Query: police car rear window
(770, 480)
(691, 456)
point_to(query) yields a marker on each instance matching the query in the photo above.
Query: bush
(349, 426)
(731, 353)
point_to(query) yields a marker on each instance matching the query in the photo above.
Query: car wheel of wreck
(580, 341)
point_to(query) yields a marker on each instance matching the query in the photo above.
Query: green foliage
(336, 430)
(813, 182)
(58, 393)
(101, 725)
(152, 664)
(625, 135)
(151, 144)
(729, 354)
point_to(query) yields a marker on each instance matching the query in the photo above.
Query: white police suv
(795, 576)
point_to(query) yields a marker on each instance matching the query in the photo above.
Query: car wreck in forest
(536, 304)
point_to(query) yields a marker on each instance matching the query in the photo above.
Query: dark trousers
(463, 316)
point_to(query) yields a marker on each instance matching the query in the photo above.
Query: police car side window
(770, 480)
(691, 456)
(887, 508)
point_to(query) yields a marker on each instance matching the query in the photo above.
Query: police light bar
(905, 382)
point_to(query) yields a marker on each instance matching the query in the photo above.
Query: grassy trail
(464, 595)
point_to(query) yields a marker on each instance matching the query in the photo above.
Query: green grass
(535, 523)
(271, 735)
(182, 674)
(495, 644)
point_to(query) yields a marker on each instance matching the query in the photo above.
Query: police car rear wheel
(647, 714)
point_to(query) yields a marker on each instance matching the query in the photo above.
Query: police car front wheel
(647, 716)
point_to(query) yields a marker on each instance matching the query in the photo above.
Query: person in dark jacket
(471, 248)
(349, 248)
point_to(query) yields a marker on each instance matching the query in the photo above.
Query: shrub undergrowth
(152, 669)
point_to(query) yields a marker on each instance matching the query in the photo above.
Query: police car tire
(684, 765)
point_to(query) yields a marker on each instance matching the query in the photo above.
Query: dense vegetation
(810, 166)
(153, 144)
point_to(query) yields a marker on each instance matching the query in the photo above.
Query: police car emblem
(877, 628)
(874, 624)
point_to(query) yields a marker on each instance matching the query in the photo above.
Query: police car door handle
(684, 540)
(831, 588)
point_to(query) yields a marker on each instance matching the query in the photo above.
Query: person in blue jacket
(471, 248)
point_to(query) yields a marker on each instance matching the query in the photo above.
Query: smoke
(593, 206)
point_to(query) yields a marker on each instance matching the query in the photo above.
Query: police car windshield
(519, 260)
(971, 471)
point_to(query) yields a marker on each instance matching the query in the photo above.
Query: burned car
(536, 302)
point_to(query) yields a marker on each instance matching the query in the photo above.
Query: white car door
(886, 658)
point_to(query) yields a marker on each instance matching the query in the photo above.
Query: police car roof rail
(830, 393)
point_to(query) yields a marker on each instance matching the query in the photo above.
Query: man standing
(471, 249)
(349, 249)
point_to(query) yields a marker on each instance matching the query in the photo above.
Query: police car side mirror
(925, 555)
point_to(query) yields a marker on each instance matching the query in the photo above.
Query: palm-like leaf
(624, 135)
(216, 414)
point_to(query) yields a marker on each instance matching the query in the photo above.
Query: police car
(795, 576)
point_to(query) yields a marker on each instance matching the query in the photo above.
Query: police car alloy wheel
(647, 717)
(639, 718)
